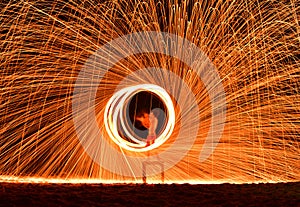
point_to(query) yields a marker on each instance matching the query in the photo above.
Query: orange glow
(254, 46)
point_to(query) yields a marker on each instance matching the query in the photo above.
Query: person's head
(143, 119)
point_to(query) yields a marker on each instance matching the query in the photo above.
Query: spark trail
(254, 45)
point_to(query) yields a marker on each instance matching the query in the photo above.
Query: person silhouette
(149, 121)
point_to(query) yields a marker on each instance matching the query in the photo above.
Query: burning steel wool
(175, 91)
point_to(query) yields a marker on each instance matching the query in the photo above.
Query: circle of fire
(114, 112)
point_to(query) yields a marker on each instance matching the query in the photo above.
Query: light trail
(254, 46)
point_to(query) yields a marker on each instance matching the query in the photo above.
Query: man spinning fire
(149, 121)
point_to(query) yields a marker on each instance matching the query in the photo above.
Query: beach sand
(41, 194)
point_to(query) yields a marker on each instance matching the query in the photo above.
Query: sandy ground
(24, 194)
